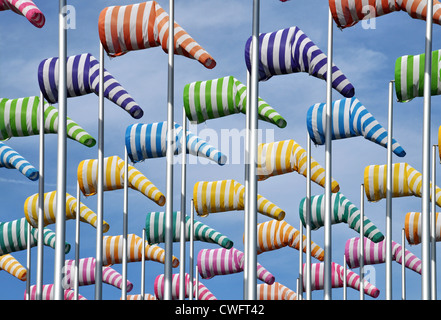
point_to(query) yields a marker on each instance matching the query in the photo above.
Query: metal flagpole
(433, 226)
(345, 284)
(191, 271)
(125, 225)
(361, 242)
(308, 219)
(403, 265)
(196, 296)
(183, 207)
(28, 262)
(300, 289)
(389, 196)
(246, 200)
(77, 244)
(143, 266)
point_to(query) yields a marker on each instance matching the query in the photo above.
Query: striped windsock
(13, 237)
(375, 253)
(20, 118)
(275, 291)
(406, 181)
(13, 267)
(11, 159)
(273, 235)
(409, 75)
(48, 293)
(87, 175)
(204, 293)
(286, 156)
(290, 51)
(49, 210)
(350, 119)
(83, 78)
(204, 100)
(155, 229)
(337, 273)
(142, 26)
(413, 227)
(26, 8)
(228, 195)
(215, 262)
(113, 250)
(347, 13)
(342, 210)
(146, 141)
(147, 296)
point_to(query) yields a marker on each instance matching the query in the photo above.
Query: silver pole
(143, 265)
(191, 271)
(389, 196)
(183, 208)
(433, 226)
(246, 200)
(308, 219)
(28, 262)
(196, 296)
(300, 279)
(125, 225)
(361, 255)
(403, 266)
(345, 282)
(77, 243)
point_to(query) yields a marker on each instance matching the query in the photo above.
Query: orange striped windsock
(275, 291)
(413, 227)
(272, 235)
(204, 293)
(48, 293)
(26, 8)
(142, 26)
(147, 296)
(87, 174)
(406, 181)
(228, 195)
(13, 267)
(50, 205)
(286, 156)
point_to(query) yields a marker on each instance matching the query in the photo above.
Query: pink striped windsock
(337, 271)
(204, 293)
(26, 8)
(13, 267)
(48, 293)
(213, 262)
(275, 291)
(375, 253)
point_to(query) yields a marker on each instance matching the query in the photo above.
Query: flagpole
(361, 255)
(308, 219)
(389, 196)
(125, 226)
(77, 244)
(403, 266)
(191, 271)
(300, 289)
(247, 177)
(345, 282)
(28, 262)
(433, 226)
(183, 205)
(143, 266)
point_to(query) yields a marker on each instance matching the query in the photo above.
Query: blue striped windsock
(146, 141)
(11, 159)
(83, 78)
(349, 119)
(290, 51)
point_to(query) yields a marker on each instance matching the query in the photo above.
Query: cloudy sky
(366, 56)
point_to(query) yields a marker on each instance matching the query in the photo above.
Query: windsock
(347, 13)
(375, 253)
(113, 250)
(406, 181)
(20, 118)
(11, 159)
(337, 273)
(13, 267)
(48, 293)
(83, 78)
(290, 51)
(342, 211)
(215, 262)
(142, 26)
(155, 225)
(409, 74)
(275, 291)
(350, 119)
(147, 296)
(27, 8)
(50, 206)
(146, 141)
(228, 195)
(204, 100)
(413, 227)
(273, 235)
(13, 237)
(87, 174)
(286, 156)
(204, 293)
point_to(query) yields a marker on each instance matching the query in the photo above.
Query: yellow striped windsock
(228, 195)
(286, 156)
(406, 181)
(87, 174)
(50, 205)
(413, 227)
(13, 267)
(275, 291)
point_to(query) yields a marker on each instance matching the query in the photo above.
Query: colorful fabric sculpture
(20, 118)
(142, 26)
(204, 100)
(155, 230)
(215, 262)
(48, 293)
(83, 78)
(350, 119)
(413, 227)
(27, 8)
(342, 210)
(375, 253)
(204, 293)
(87, 174)
(228, 195)
(13, 267)
(147, 296)
(290, 51)
(347, 13)
(50, 208)
(275, 291)
(11, 159)
(286, 156)
(146, 141)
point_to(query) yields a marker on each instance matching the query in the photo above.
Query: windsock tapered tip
(175, 262)
(136, 112)
(335, 187)
(209, 63)
(33, 175)
(399, 151)
(161, 200)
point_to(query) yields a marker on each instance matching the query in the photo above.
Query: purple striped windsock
(48, 293)
(204, 293)
(213, 262)
(26, 8)
(375, 253)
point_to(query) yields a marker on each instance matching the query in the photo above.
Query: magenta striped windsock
(375, 253)
(48, 293)
(221, 261)
(26, 8)
(204, 293)
(275, 291)
(337, 271)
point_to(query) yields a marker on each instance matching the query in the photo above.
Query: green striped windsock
(155, 230)
(20, 118)
(221, 97)
(409, 76)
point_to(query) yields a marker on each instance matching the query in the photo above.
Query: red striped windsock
(26, 8)
(13, 267)
(413, 227)
(275, 291)
(48, 293)
(204, 293)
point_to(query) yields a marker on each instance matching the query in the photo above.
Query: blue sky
(366, 56)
